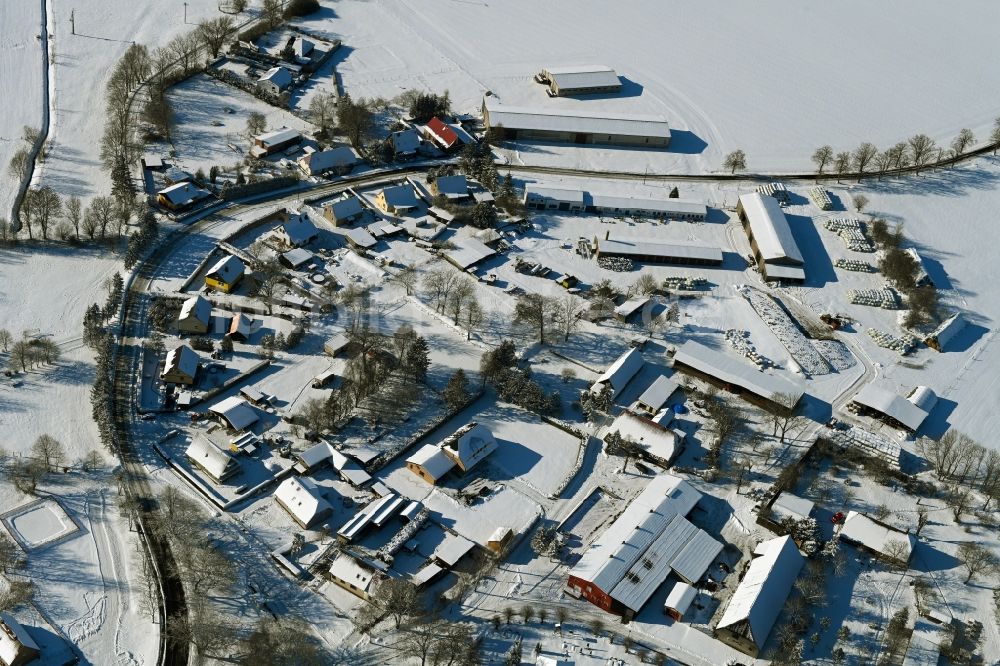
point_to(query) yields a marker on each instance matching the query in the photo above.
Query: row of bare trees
(964, 464)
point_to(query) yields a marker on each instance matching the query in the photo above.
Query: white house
(275, 80)
(324, 161)
(212, 460)
(234, 412)
(303, 500)
(297, 230)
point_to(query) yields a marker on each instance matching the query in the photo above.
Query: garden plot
(787, 331)
(40, 523)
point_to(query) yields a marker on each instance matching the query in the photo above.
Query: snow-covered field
(774, 78)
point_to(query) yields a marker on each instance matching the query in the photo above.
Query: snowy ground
(775, 79)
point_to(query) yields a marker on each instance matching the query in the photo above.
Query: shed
(659, 444)
(296, 258)
(679, 600)
(468, 252)
(360, 239)
(893, 408)
(180, 196)
(654, 397)
(626, 310)
(787, 505)
(17, 647)
(881, 540)
(581, 79)
(946, 332)
(450, 551)
(336, 344)
(774, 247)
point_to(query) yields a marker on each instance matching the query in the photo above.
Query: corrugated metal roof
(696, 556)
(732, 371)
(279, 136)
(557, 194)
(655, 248)
(653, 565)
(585, 122)
(665, 206)
(680, 597)
(621, 372)
(658, 392)
(770, 228)
(762, 593)
(577, 77)
(892, 405)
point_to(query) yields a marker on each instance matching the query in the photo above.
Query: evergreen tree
(417, 359)
(457, 392)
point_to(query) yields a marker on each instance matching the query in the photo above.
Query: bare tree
(47, 208)
(958, 498)
(995, 135)
(821, 158)
(863, 156)
(323, 112)
(463, 291)
(271, 12)
(568, 311)
(964, 139)
(977, 558)
(74, 213)
(472, 317)
(859, 201)
(438, 285)
(11, 557)
(270, 276)
(883, 162)
(921, 148)
(842, 164)
(213, 33)
(922, 519)
(256, 123)
(537, 310)
(18, 166)
(5, 338)
(48, 451)
(736, 160)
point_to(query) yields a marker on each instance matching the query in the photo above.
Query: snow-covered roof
(216, 462)
(732, 371)
(336, 343)
(585, 122)
(278, 136)
(621, 372)
(782, 272)
(469, 445)
(631, 306)
(656, 440)
(181, 359)
(427, 574)
(236, 411)
(658, 392)
(770, 229)
(298, 229)
(279, 76)
(876, 536)
(425, 228)
(452, 185)
(787, 505)
(197, 308)
(924, 648)
(345, 208)
(324, 160)
(303, 47)
(14, 639)
(640, 534)
(360, 237)
(452, 549)
(297, 257)
(680, 597)
(253, 394)
(348, 570)
(302, 498)
(948, 330)
(665, 206)
(696, 557)
(579, 77)
(433, 461)
(240, 325)
(400, 196)
(924, 398)
(228, 269)
(643, 247)
(468, 252)
(761, 594)
(182, 194)
(892, 405)
(405, 141)
(377, 512)
(557, 194)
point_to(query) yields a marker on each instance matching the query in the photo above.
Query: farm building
(181, 366)
(649, 541)
(17, 647)
(272, 142)
(679, 600)
(778, 256)
(654, 397)
(339, 159)
(442, 134)
(352, 575)
(453, 188)
(324, 453)
(235, 413)
(303, 501)
(880, 540)
(360, 239)
(405, 143)
(924, 398)
(275, 80)
(336, 344)
(756, 603)
(658, 252)
(659, 444)
(297, 229)
(543, 197)
(580, 127)
(580, 80)
(430, 463)
(180, 195)
(212, 460)
(344, 211)
(627, 310)
(769, 391)
(889, 407)
(195, 316)
(397, 199)
(539, 197)
(946, 332)
(500, 539)
(621, 372)
(225, 274)
(468, 252)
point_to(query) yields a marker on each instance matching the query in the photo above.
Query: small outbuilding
(621, 372)
(883, 541)
(235, 413)
(275, 80)
(17, 647)
(679, 600)
(180, 196)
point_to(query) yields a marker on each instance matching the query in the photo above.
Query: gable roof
(433, 460)
(279, 76)
(621, 372)
(770, 228)
(658, 392)
(405, 141)
(278, 136)
(874, 535)
(452, 185)
(198, 308)
(468, 252)
(345, 208)
(303, 499)
(182, 359)
(892, 405)
(324, 160)
(732, 371)
(398, 196)
(586, 122)
(218, 463)
(761, 594)
(443, 133)
(469, 445)
(13, 637)
(653, 438)
(182, 194)
(349, 570)
(236, 411)
(583, 76)
(228, 269)
(241, 325)
(299, 228)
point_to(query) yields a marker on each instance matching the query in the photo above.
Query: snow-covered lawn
(21, 63)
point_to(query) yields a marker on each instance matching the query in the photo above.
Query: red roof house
(442, 134)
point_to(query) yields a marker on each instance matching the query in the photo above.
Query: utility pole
(72, 21)
(185, 13)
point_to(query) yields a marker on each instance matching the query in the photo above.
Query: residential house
(297, 229)
(275, 80)
(195, 316)
(225, 274)
(219, 465)
(240, 327)
(339, 160)
(405, 143)
(469, 445)
(452, 188)
(439, 132)
(345, 211)
(350, 574)
(430, 463)
(180, 196)
(181, 366)
(397, 199)
(303, 500)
